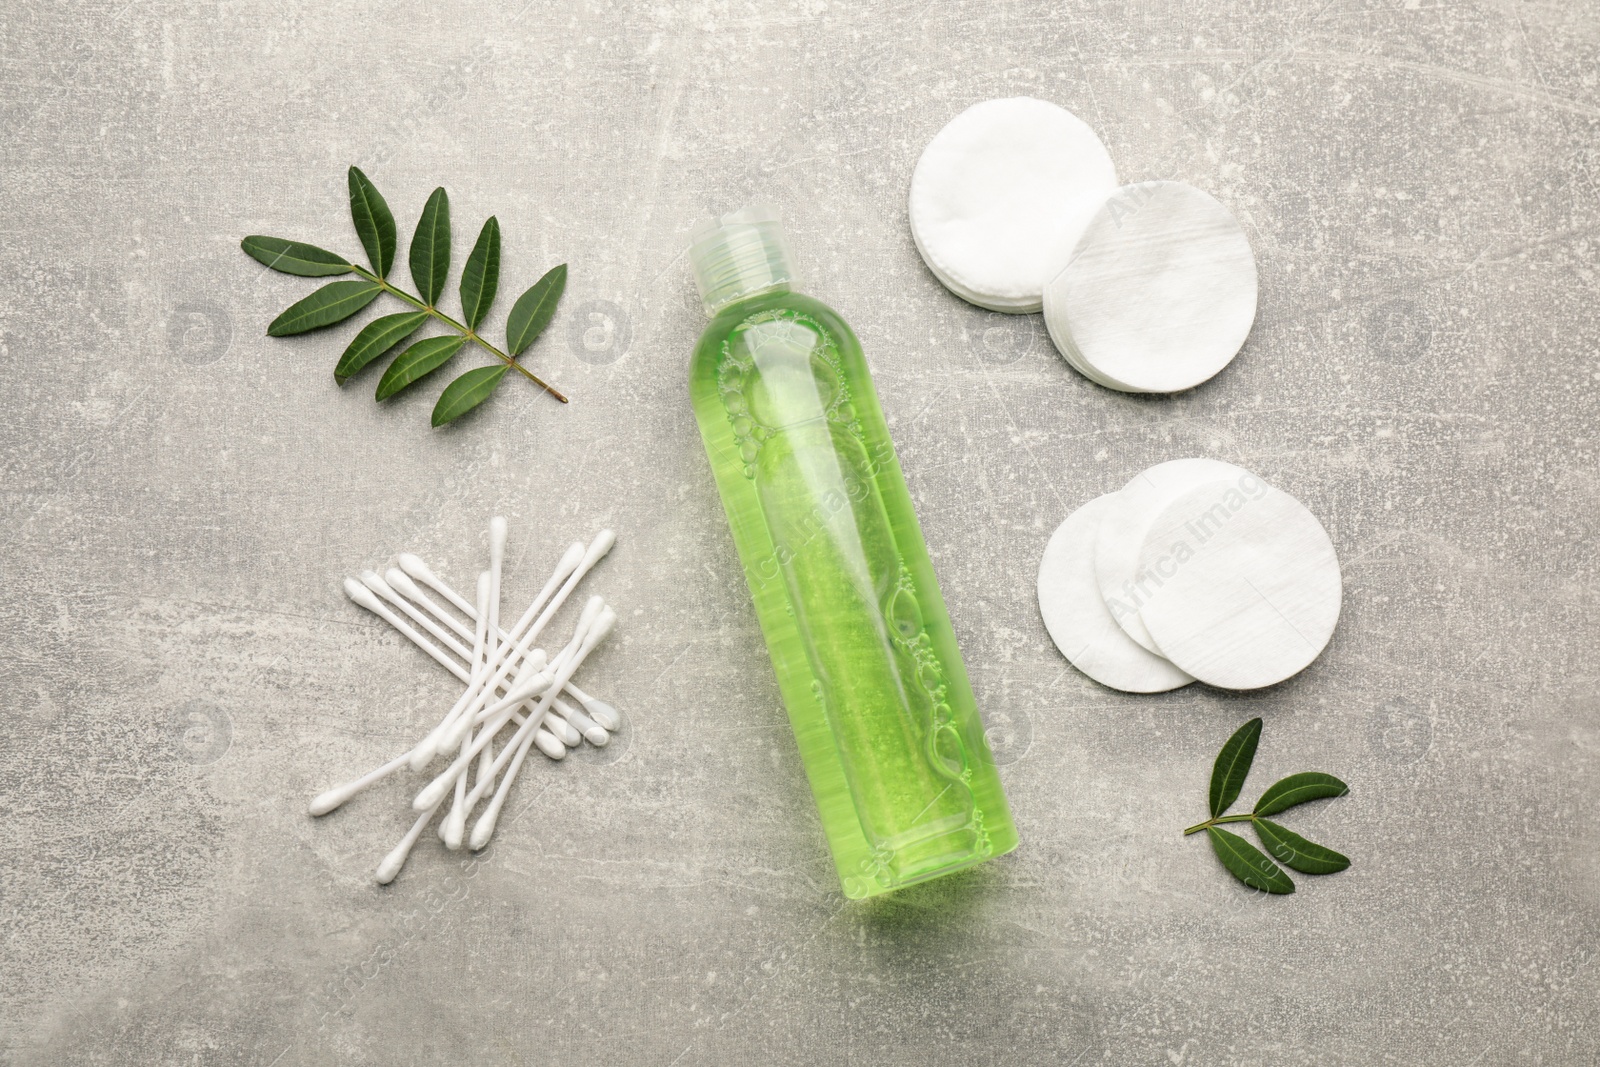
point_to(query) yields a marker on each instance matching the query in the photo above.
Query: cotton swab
(595, 553)
(506, 678)
(452, 825)
(397, 857)
(325, 802)
(484, 827)
(497, 557)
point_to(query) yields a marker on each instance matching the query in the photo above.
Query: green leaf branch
(429, 260)
(1242, 859)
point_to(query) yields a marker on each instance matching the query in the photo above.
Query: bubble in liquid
(906, 614)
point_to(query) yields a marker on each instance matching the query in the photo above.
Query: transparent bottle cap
(737, 255)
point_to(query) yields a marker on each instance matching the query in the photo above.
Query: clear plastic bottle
(843, 587)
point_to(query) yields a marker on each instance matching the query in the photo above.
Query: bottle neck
(750, 298)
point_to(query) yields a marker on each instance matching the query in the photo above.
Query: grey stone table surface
(182, 496)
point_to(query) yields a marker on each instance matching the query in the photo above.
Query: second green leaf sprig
(430, 266)
(1242, 859)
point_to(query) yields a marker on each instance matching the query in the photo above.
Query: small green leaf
(467, 392)
(1292, 850)
(1297, 789)
(534, 309)
(374, 222)
(294, 257)
(430, 248)
(333, 303)
(1246, 862)
(376, 338)
(417, 362)
(1233, 766)
(481, 276)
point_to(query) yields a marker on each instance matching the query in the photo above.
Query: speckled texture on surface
(180, 672)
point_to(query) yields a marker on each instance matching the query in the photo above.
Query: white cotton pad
(1127, 523)
(1249, 587)
(1159, 292)
(1000, 196)
(1078, 620)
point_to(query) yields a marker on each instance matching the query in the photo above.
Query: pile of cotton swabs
(507, 681)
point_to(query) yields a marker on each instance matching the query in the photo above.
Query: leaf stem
(1213, 822)
(463, 330)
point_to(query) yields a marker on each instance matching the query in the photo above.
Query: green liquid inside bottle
(866, 660)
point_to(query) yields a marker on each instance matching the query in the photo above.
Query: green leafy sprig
(1242, 859)
(430, 268)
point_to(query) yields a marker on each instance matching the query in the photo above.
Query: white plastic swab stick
(397, 857)
(372, 581)
(596, 552)
(453, 824)
(484, 827)
(325, 802)
(497, 558)
(597, 633)
(592, 731)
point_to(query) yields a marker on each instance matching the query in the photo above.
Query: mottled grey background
(183, 495)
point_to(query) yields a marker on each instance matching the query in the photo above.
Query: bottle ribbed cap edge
(738, 254)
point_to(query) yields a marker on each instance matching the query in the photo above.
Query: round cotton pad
(1000, 196)
(1159, 293)
(1249, 587)
(1127, 522)
(1078, 620)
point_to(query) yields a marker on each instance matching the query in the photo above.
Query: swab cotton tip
(603, 714)
(591, 612)
(602, 627)
(361, 595)
(455, 827)
(323, 803)
(549, 745)
(591, 731)
(433, 792)
(498, 533)
(412, 564)
(599, 547)
(391, 864)
(571, 558)
(563, 730)
(401, 582)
